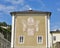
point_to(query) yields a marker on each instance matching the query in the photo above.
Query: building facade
(30, 29)
(55, 36)
(4, 43)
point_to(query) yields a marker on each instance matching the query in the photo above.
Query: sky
(53, 6)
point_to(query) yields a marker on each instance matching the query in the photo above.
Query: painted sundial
(30, 25)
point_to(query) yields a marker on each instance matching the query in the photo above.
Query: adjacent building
(4, 43)
(31, 29)
(55, 37)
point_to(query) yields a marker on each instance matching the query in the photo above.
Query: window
(21, 39)
(39, 39)
(54, 38)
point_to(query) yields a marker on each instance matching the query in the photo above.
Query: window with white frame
(21, 39)
(39, 39)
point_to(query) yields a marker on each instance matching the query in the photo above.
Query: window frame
(41, 41)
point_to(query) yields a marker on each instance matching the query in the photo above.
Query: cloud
(16, 1)
(42, 5)
(55, 26)
(40, 1)
(6, 9)
(25, 7)
(17, 5)
(58, 9)
(2, 7)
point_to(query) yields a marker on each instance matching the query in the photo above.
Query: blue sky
(7, 6)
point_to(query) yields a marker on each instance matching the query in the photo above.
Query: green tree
(5, 32)
(3, 24)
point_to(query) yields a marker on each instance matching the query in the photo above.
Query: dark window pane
(39, 39)
(21, 39)
(54, 38)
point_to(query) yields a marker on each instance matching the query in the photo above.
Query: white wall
(57, 37)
